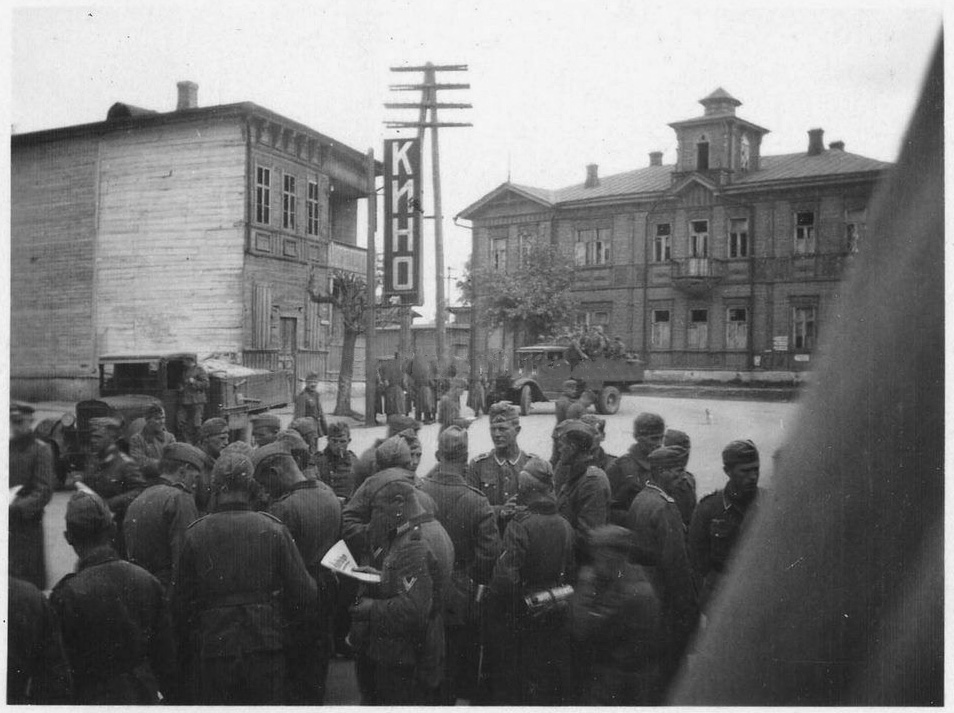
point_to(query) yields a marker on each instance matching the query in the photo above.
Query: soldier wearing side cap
(629, 473)
(146, 446)
(156, 521)
(112, 474)
(307, 429)
(312, 514)
(570, 395)
(495, 473)
(529, 657)
(114, 618)
(684, 489)
(265, 428)
(722, 517)
(584, 495)
(601, 459)
(213, 437)
(470, 522)
(335, 463)
(31, 470)
(660, 544)
(240, 579)
(299, 450)
(308, 404)
(365, 466)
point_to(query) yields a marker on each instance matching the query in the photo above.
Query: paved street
(710, 424)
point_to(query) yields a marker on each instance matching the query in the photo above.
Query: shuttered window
(261, 316)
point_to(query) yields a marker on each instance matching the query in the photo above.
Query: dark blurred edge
(839, 598)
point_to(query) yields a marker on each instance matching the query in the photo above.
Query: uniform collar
(449, 471)
(303, 485)
(174, 484)
(228, 507)
(730, 503)
(100, 555)
(505, 460)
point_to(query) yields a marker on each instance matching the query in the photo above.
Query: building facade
(195, 230)
(728, 260)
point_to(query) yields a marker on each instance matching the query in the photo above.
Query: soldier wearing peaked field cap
(495, 473)
(629, 473)
(308, 404)
(721, 518)
(31, 469)
(584, 494)
(265, 428)
(213, 437)
(684, 490)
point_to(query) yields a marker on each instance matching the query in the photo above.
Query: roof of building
(654, 180)
(721, 94)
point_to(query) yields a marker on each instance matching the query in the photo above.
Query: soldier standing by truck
(192, 400)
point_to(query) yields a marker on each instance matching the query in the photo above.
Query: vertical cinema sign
(402, 221)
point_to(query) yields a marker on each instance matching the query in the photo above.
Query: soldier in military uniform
(584, 494)
(156, 521)
(469, 521)
(312, 514)
(307, 429)
(192, 400)
(334, 463)
(112, 474)
(146, 446)
(213, 437)
(31, 472)
(265, 428)
(448, 410)
(723, 516)
(684, 489)
(115, 623)
(660, 541)
(308, 404)
(628, 475)
(365, 466)
(37, 670)
(240, 580)
(568, 397)
(616, 624)
(495, 473)
(530, 657)
(601, 459)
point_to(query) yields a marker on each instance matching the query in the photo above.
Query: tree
(533, 300)
(349, 297)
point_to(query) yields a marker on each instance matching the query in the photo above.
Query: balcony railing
(696, 275)
(347, 257)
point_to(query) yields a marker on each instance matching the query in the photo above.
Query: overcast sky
(555, 85)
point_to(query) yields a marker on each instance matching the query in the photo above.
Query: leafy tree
(349, 297)
(533, 300)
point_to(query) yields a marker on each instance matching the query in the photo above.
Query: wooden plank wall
(172, 240)
(53, 228)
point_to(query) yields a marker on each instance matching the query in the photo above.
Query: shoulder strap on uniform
(193, 523)
(273, 517)
(482, 456)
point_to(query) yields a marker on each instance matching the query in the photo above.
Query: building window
(744, 153)
(702, 155)
(805, 232)
(662, 245)
(311, 205)
(593, 246)
(739, 237)
(289, 202)
(698, 332)
(524, 243)
(699, 238)
(736, 328)
(593, 318)
(854, 230)
(263, 194)
(803, 328)
(498, 254)
(661, 337)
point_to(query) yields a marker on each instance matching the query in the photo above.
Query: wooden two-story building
(728, 260)
(193, 230)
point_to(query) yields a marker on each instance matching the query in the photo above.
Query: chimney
(188, 95)
(655, 158)
(837, 145)
(592, 176)
(816, 142)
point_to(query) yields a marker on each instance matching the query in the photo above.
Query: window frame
(738, 244)
(693, 238)
(809, 340)
(804, 235)
(498, 264)
(312, 207)
(289, 201)
(662, 243)
(692, 328)
(656, 332)
(736, 342)
(596, 250)
(263, 194)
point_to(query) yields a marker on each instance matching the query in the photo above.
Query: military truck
(128, 386)
(542, 370)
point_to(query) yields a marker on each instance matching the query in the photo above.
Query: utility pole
(429, 103)
(370, 355)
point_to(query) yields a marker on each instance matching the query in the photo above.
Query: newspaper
(339, 559)
(14, 491)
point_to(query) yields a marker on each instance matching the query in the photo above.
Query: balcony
(347, 257)
(696, 276)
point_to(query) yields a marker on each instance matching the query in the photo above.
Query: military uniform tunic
(627, 476)
(584, 498)
(496, 478)
(146, 450)
(308, 404)
(155, 526)
(116, 478)
(337, 471)
(37, 671)
(31, 467)
(116, 631)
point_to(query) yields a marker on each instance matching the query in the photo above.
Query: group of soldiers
(504, 578)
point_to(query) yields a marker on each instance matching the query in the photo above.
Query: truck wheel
(526, 399)
(608, 400)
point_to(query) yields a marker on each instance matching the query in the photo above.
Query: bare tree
(349, 297)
